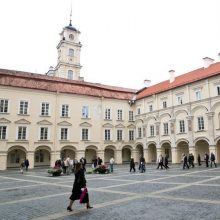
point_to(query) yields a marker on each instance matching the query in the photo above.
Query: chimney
(172, 77)
(147, 83)
(207, 61)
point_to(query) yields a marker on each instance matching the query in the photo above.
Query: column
(30, 157)
(3, 161)
(174, 152)
(211, 128)
(53, 157)
(190, 130)
(159, 152)
(118, 158)
(146, 156)
(80, 154)
(134, 154)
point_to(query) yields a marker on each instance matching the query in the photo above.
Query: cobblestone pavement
(156, 194)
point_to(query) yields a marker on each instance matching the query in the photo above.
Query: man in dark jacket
(185, 163)
(213, 159)
(26, 163)
(206, 158)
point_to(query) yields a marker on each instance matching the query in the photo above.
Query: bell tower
(69, 47)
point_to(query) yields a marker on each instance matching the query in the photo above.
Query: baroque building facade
(45, 117)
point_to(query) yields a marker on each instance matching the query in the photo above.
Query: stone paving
(174, 194)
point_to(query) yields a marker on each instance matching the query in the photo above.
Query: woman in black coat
(79, 182)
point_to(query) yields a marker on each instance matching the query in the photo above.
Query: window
(138, 111)
(120, 114)
(164, 104)
(85, 111)
(64, 134)
(131, 135)
(45, 109)
(165, 128)
(151, 130)
(131, 116)
(150, 108)
(179, 100)
(22, 132)
(23, 110)
(3, 132)
(218, 90)
(43, 133)
(70, 74)
(71, 37)
(200, 123)
(108, 113)
(198, 95)
(65, 111)
(182, 126)
(3, 106)
(85, 134)
(119, 135)
(139, 132)
(71, 52)
(107, 134)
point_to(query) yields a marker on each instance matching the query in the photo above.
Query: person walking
(132, 165)
(166, 161)
(160, 162)
(185, 163)
(199, 160)
(111, 162)
(22, 165)
(142, 164)
(79, 182)
(212, 158)
(26, 163)
(206, 158)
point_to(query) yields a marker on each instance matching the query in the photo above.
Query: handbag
(84, 197)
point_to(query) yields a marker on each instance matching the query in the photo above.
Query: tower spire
(71, 15)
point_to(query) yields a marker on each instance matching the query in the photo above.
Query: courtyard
(166, 194)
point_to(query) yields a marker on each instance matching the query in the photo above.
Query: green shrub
(55, 171)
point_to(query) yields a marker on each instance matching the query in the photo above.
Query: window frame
(84, 134)
(22, 133)
(3, 133)
(4, 106)
(64, 134)
(23, 109)
(200, 123)
(45, 110)
(165, 128)
(64, 110)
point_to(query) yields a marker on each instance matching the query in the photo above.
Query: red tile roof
(181, 80)
(55, 84)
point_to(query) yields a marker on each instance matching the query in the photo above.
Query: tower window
(71, 52)
(70, 74)
(71, 37)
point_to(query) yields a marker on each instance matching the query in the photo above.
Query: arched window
(70, 74)
(71, 52)
(71, 37)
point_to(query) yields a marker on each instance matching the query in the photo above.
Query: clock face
(71, 37)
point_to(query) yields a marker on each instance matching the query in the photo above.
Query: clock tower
(69, 47)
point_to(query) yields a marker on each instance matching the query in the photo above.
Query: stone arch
(166, 149)
(42, 156)
(68, 150)
(213, 108)
(198, 107)
(109, 152)
(152, 152)
(164, 115)
(202, 147)
(179, 112)
(16, 154)
(149, 118)
(90, 153)
(126, 153)
(182, 148)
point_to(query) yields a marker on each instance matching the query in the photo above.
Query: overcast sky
(124, 41)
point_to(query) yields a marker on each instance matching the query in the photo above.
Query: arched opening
(152, 153)
(126, 154)
(68, 151)
(90, 154)
(166, 150)
(182, 148)
(15, 156)
(42, 156)
(109, 153)
(202, 147)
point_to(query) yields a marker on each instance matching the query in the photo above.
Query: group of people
(24, 164)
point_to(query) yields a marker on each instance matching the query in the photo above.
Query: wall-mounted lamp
(131, 102)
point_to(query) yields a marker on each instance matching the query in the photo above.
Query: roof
(71, 28)
(56, 84)
(190, 77)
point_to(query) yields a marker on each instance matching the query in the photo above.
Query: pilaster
(118, 157)
(30, 157)
(3, 161)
